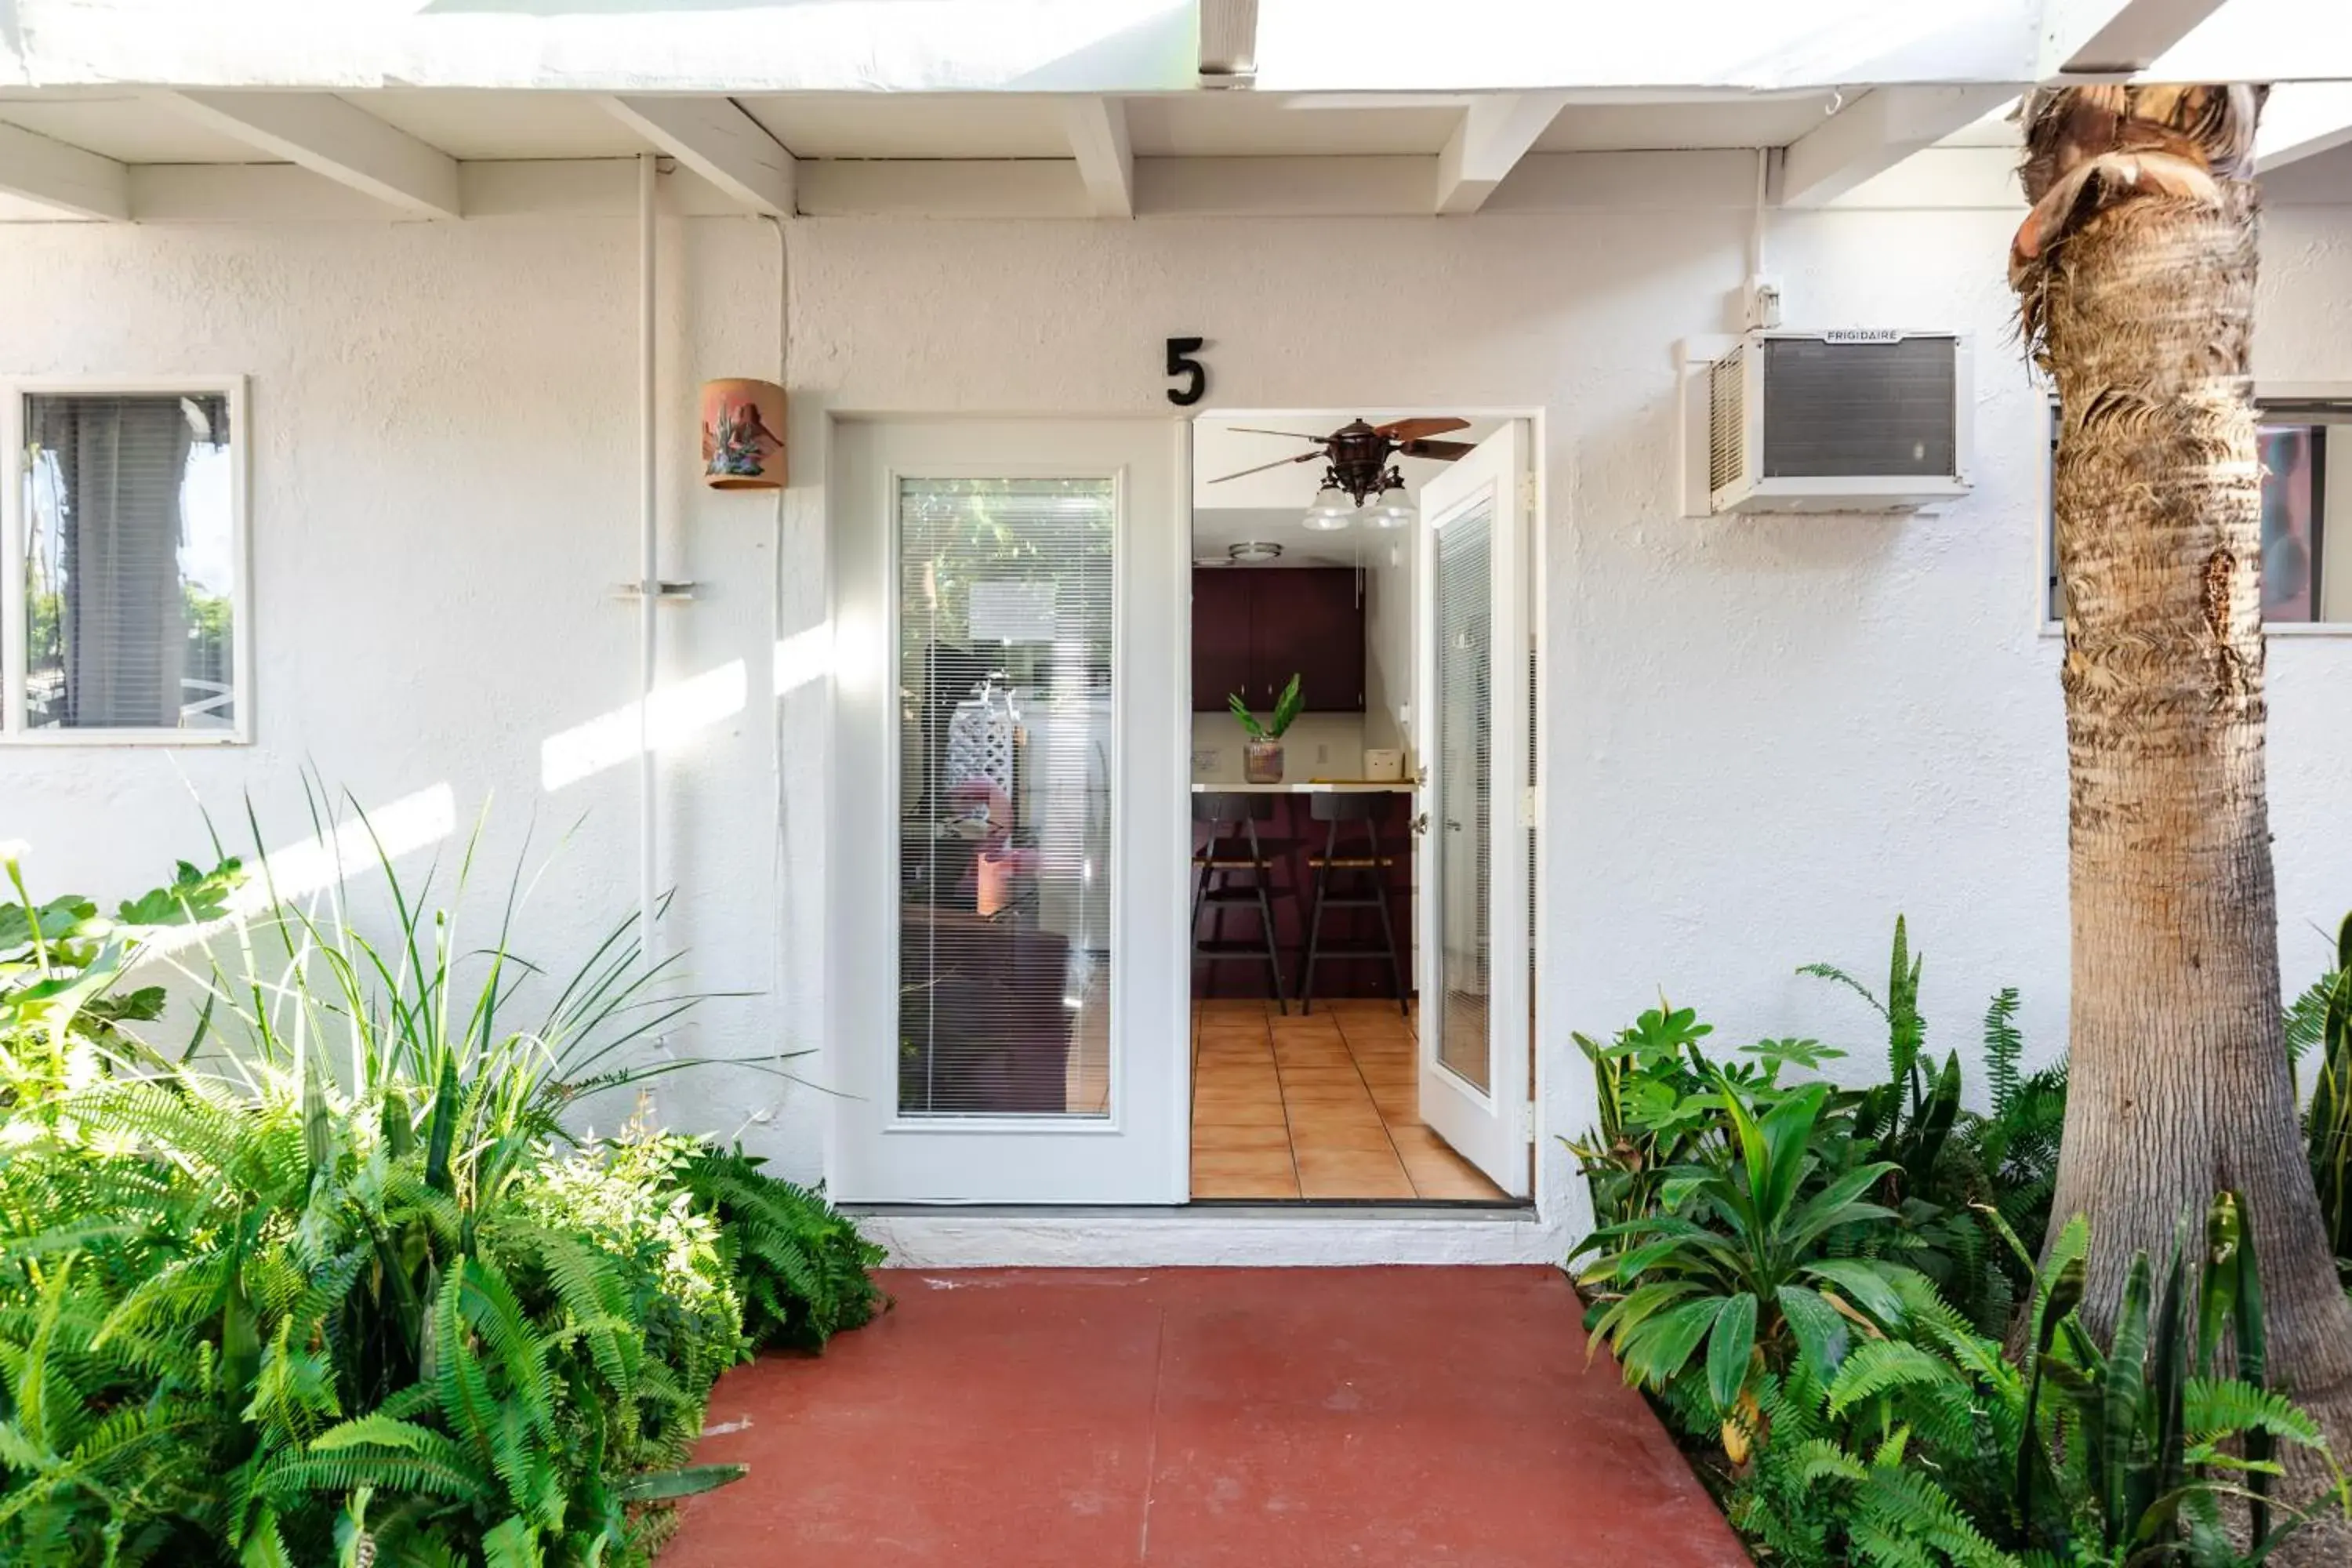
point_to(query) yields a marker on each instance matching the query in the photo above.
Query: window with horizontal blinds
(1462, 597)
(1006, 742)
(130, 562)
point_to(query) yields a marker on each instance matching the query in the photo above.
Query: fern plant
(251, 1314)
(800, 1267)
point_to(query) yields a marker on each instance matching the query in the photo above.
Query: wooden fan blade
(1253, 430)
(1279, 462)
(1413, 429)
(1440, 452)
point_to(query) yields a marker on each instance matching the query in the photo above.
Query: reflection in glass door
(1005, 681)
(1465, 787)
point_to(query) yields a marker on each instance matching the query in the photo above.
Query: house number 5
(1182, 363)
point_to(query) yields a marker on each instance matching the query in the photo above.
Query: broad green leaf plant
(1277, 723)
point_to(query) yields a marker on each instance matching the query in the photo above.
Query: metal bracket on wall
(662, 589)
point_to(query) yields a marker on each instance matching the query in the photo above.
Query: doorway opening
(1360, 866)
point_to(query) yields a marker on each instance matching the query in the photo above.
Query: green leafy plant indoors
(1286, 713)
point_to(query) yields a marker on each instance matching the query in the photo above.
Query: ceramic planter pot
(1262, 762)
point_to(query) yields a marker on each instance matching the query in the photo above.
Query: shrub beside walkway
(1268, 1417)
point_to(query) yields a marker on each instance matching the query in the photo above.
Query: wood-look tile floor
(1321, 1106)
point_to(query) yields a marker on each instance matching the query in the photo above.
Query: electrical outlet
(1322, 754)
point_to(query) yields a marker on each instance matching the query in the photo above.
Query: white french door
(1007, 982)
(1473, 860)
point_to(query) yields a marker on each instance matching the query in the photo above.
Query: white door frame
(1138, 1152)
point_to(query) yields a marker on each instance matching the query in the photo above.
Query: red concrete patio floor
(1262, 1417)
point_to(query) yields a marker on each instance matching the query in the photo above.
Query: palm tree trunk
(2142, 311)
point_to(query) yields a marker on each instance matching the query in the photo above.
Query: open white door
(1473, 722)
(1010, 822)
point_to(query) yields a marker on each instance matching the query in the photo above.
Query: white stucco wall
(1762, 738)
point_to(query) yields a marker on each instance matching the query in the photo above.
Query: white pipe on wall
(649, 563)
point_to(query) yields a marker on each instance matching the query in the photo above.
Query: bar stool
(1350, 878)
(1235, 868)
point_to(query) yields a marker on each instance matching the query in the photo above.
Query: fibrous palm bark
(2135, 273)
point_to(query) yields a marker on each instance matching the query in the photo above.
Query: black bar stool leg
(1264, 875)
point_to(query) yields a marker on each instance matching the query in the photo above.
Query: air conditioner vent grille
(1726, 423)
(1857, 410)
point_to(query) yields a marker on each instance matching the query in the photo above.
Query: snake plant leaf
(686, 1482)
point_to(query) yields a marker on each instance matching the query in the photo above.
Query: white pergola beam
(1495, 132)
(2302, 120)
(1873, 133)
(714, 137)
(2113, 38)
(1098, 141)
(329, 136)
(65, 177)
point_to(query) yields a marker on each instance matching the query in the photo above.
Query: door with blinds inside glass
(1007, 977)
(1472, 818)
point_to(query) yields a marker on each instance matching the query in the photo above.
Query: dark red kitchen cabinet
(1221, 638)
(1253, 629)
(1313, 626)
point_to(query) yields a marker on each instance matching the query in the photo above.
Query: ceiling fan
(1356, 459)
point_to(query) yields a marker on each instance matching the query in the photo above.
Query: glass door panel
(1464, 792)
(1004, 878)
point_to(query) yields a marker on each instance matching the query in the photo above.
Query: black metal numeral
(1182, 363)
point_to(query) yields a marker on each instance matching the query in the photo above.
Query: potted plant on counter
(1262, 756)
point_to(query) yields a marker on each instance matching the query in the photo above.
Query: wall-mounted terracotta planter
(742, 435)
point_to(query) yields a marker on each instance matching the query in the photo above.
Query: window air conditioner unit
(1850, 420)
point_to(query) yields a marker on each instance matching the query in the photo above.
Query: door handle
(1452, 825)
(1421, 824)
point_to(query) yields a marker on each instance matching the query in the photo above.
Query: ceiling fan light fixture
(1394, 508)
(1331, 512)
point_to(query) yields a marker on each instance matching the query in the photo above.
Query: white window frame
(14, 616)
(2045, 549)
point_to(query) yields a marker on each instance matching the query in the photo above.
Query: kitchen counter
(1309, 787)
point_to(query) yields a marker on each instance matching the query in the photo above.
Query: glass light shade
(1331, 510)
(1393, 510)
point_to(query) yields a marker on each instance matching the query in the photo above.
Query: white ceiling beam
(718, 141)
(2302, 120)
(1228, 48)
(329, 136)
(1873, 133)
(65, 177)
(1495, 132)
(2113, 38)
(1098, 141)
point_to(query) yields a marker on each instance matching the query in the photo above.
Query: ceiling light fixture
(1254, 550)
(1331, 510)
(1394, 508)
